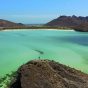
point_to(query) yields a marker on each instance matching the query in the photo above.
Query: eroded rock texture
(49, 74)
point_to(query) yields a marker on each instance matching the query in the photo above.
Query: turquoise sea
(67, 47)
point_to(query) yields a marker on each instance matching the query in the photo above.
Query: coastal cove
(65, 46)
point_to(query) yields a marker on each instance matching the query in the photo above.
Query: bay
(20, 46)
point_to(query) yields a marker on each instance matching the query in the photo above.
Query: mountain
(70, 22)
(49, 74)
(6, 23)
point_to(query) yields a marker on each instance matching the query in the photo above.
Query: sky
(41, 11)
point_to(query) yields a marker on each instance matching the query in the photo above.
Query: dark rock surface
(82, 27)
(49, 74)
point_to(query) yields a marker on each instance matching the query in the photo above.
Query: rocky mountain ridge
(78, 23)
(68, 21)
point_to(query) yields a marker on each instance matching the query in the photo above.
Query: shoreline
(37, 29)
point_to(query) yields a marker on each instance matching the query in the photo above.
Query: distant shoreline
(35, 28)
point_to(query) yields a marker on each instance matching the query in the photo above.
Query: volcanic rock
(49, 74)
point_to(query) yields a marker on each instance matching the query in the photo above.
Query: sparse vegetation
(34, 27)
(6, 80)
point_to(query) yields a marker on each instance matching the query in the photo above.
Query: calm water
(67, 47)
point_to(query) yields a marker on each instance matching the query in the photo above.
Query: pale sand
(26, 29)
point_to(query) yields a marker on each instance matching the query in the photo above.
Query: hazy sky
(41, 11)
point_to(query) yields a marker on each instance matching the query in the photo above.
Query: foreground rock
(49, 74)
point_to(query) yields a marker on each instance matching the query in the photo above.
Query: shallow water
(67, 47)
